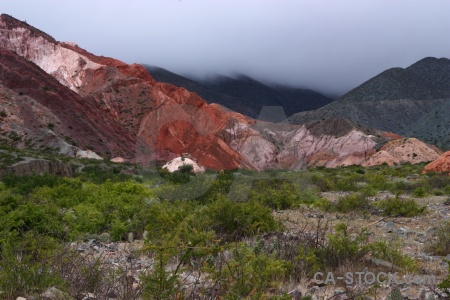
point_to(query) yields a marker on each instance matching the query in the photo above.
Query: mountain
(38, 112)
(58, 96)
(244, 94)
(434, 126)
(124, 96)
(412, 102)
(211, 96)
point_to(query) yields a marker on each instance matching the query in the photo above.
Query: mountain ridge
(244, 94)
(403, 101)
(163, 121)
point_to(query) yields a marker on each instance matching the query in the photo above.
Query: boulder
(177, 162)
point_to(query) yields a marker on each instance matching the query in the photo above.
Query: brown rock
(440, 165)
(401, 151)
(39, 167)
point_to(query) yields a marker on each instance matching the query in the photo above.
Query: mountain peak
(431, 60)
(427, 79)
(11, 23)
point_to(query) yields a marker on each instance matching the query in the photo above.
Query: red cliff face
(169, 120)
(119, 108)
(38, 106)
(440, 165)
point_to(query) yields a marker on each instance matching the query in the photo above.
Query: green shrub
(400, 207)
(247, 275)
(26, 265)
(324, 205)
(324, 184)
(333, 250)
(234, 220)
(419, 192)
(438, 192)
(186, 168)
(445, 284)
(440, 245)
(346, 184)
(25, 184)
(274, 193)
(392, 253)
(377, 181)
(439, 181)
(352, 202)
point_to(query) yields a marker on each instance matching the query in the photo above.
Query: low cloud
(331, 46)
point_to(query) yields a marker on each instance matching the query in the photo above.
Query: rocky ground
(413, 234)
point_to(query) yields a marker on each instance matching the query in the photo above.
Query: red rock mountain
(50, 88)
(440, 165)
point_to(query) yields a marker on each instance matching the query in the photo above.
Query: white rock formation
(66, 65)
(177, 162)
(88, 154)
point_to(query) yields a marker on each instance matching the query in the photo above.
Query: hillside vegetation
(217, 234)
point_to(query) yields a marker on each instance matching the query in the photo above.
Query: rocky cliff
(118, 109)
(39, 167)
(440, 165)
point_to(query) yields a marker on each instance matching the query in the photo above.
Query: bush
(392, 253)
(378, 181)
(26, 265)
(333, 250)
(352, 202)
(323, 183)
(440, 245)
(325, 205)
(445, 284)
(26, 184)
(233, 221)
(419, 192)
(247, 275)
(400, 207)
(275, 193)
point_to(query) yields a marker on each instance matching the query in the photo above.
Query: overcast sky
(331, 46)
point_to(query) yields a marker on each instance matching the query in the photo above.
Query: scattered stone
(55, 294)
(295, 294)
(130, 237)
(389, 226)
(90, 296)
(430, 296)
(401, 231)
(112, 295)
(383, 263)
(21, 298)
(443, 264)
(104, 237)
(421, 237)
(313, 290)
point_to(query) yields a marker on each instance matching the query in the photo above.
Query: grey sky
(331, 45)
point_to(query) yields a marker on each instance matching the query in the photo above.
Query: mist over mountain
(244, 94)
(330, 48)
(412, 102)
(83, 102)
